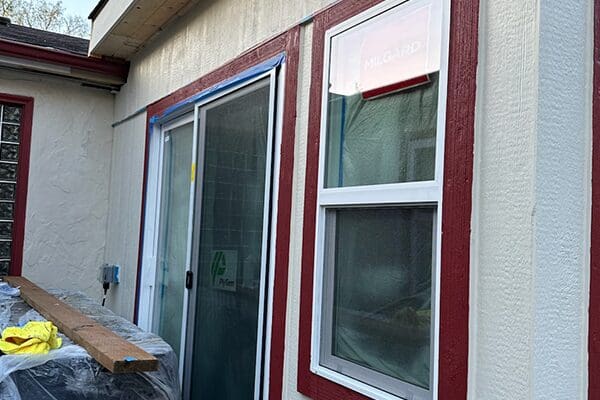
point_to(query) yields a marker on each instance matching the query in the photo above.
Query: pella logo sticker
(223, 270)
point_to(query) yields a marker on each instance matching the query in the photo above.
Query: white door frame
(152, 222)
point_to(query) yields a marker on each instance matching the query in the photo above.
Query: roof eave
(97, 9)
(113, 70)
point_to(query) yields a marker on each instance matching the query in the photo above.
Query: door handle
(189, 279)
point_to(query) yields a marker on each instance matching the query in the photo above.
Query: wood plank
(110, 350)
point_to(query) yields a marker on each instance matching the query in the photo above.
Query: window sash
(349, 369)
(383, 193)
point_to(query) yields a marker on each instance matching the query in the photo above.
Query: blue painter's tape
(129, 359)
(306, 20)
(226, 84)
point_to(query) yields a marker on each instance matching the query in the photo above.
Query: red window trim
(456, 208)
(287, 42)
(16, 264)
(594, 315)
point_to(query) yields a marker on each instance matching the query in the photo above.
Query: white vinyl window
(379, 201)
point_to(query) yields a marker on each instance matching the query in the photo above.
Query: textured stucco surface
(531, 200)
(503, 203)
(194, 44)
(562, 200)
(123, 230)
(67, 201)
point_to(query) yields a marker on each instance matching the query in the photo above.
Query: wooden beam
(110, 350)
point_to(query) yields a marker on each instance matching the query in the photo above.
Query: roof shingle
(38, 37)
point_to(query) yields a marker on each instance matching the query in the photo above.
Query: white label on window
(387, 51)
(223, 270)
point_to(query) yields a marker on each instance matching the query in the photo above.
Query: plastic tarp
(245, 76)
(70, 372)
(383, 140)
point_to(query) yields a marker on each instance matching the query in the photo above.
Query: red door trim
(16, 264)
(289, 43)
(594, 315)
(456, 217)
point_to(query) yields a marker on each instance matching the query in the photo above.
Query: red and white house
(375, 199)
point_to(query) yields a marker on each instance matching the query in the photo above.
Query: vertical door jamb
(264, 262)
(150, 251)
(153, 220)
(188, 256)
(188, 345)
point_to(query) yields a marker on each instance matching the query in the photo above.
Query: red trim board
(287, 42)
(594, 314)
(395, 87)
(456, 209)
(22, 180)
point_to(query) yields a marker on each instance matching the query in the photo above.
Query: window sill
(355, 385)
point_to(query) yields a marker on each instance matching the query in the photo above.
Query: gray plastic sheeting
(70, 372)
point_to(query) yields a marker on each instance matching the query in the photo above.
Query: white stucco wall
(209, 35)
(562, 200)
(123, 229)
(67, 200)
(530, 222)
(503, 203)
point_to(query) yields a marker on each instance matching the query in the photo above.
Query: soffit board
(119, 31)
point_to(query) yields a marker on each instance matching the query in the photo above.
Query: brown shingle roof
(38, 37)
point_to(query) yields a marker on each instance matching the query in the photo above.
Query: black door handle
(189, 279)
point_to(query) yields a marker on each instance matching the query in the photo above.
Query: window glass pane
(378, 290)
(10, 133)
(6, 210)
(7, 191)
(8, 172)
(4, 267)
(5, 249)
(5, 230)
(173, 236)
(9, 152)
(379, 130)
(12, 114)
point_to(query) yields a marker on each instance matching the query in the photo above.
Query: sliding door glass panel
(173, 234)
(236, 132)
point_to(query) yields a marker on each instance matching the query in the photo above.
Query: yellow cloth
(36, 337)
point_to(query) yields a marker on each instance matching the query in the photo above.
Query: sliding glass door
(174, 214)
(230, 251)
(207, 242)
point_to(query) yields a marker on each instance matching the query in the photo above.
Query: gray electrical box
(109, 273)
